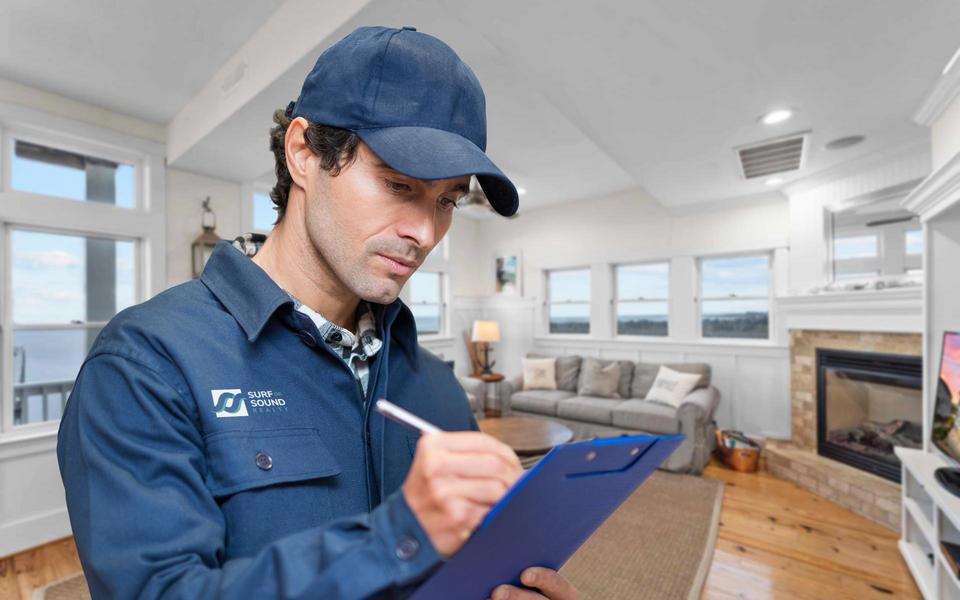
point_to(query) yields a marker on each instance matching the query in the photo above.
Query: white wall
(753, 376)
(185, 193)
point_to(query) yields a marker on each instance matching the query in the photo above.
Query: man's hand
(551, 586)
(454, 480)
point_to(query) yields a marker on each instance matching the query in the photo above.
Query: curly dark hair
(336, 148)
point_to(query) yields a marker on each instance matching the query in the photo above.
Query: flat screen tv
(946, 408)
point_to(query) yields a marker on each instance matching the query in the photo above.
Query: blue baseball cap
(411, 99)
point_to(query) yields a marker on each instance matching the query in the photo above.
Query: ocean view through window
(735, 297)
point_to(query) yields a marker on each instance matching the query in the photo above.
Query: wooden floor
(776, 540)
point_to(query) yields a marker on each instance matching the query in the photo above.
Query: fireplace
(867, 403)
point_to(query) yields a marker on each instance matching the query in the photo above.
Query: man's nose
(418, 224)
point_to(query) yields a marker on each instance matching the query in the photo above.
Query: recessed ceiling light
(953, 59)
(521, 191)
(844, 142)
(776, 116)
(774, 181)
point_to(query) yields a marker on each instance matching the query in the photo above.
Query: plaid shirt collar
(364, 344)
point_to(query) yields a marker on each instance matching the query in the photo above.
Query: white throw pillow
(539, 373)
(671, 387)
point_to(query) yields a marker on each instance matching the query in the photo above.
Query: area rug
(657, 545)
(71, 588)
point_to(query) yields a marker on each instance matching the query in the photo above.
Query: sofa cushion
(647, 416)
(543, 402)
(626, 376)
(671, 387)
(588, 408)
(645, 373)
(539, 373)
(567, 370)
(599, 380)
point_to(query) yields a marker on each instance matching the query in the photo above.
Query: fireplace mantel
(892, 310)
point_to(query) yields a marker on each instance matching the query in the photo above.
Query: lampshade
(486, 331)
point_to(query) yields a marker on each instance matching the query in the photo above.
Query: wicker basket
(744, 460)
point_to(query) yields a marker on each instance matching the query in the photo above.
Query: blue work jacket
(214, 446)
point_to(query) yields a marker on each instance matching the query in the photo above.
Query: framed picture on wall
(508, 275)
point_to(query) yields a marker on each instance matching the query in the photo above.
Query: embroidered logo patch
(236, 403)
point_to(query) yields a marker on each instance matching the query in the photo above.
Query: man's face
(374, 226)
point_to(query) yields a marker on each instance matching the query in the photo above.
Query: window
(63, 174)
(568, 301)
(264, 212)
(855, 246)
(913, 242)
(82, 226)
(642, 299)
(426, 301)
(64, 288)
(735, 297)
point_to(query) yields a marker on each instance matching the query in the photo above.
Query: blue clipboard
(551, 510)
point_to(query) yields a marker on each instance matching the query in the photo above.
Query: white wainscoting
(32, 506)
(754, 380)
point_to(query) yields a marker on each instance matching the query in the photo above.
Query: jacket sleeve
(146, 526)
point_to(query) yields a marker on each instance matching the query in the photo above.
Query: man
(219, 440)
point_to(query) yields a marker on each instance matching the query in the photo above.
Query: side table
(492, 409)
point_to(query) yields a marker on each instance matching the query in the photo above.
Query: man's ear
(298, 154)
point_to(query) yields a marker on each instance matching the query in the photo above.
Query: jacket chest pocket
(246, 460)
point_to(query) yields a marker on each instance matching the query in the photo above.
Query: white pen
(404, 417)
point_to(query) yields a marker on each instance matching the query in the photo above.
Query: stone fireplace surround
(797, 460)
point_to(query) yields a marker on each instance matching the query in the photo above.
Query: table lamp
(485, 332)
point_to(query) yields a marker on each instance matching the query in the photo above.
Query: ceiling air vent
(772, 156)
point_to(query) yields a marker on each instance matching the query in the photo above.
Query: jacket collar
(252, 297)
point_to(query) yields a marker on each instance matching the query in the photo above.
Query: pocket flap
(244, 460)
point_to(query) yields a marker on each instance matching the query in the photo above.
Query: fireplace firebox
(868, 403)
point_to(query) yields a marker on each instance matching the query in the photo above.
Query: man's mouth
(400, 266)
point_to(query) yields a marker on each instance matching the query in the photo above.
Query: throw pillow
(671, 387)
(598, 379)
(539, 373)
(568, 370)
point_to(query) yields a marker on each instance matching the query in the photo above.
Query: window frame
(769, 297)
(144, 223)
(548, 302)
(616, 300)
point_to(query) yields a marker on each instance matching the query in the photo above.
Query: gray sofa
(590, 416)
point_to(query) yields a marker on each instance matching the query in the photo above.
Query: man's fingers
(471, 441)
(471, 465)
(508, 592)
(480, 491)
(552, 584)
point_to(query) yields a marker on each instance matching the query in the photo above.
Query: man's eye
(449, 203)
(396, 186)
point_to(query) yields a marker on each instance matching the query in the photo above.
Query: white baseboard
(34, 530)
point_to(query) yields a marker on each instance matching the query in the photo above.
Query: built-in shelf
(931, 515)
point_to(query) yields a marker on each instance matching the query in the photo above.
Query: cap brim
(428, 153)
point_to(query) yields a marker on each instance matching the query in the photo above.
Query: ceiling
(136, 57)
(584, 99)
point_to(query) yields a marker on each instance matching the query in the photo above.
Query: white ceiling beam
(291, 33)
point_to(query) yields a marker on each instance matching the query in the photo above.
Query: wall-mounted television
(946, 406)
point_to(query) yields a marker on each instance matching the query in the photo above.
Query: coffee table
(527, 435)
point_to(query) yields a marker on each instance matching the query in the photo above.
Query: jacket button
(308, 338)
(407, 548)
(264, 461)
